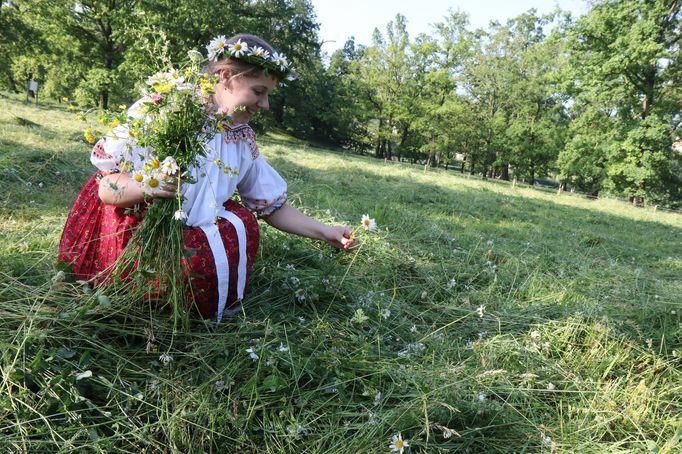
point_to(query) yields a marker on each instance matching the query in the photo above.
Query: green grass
(520, 321)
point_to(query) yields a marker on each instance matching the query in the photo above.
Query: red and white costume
(222, 233)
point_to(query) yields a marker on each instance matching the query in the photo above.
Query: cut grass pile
(479, 318)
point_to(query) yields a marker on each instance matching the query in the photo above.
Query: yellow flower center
(153, 183)
(138, 177)
(155, 163)
(132, 133)
(365, 221)
(399, 444)
(237, 46)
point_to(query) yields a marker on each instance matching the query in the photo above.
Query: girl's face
(242, 97)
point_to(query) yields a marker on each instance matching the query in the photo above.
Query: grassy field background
(478, 318)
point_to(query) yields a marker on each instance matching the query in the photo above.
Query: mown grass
(479, 318)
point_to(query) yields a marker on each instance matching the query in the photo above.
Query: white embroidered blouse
(241, 168)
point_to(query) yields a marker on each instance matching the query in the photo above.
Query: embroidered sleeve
(262, 189)
(103, 159)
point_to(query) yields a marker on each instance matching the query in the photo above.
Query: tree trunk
(504, 172)
(12, 84)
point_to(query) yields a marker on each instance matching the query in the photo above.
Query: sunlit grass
(492, 319)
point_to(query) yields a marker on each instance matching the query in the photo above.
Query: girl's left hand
(339, 237)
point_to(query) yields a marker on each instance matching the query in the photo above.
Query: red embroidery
(99, 152)
(243, 133)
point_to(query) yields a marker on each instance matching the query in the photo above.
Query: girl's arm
(120, 190)
(289, 219)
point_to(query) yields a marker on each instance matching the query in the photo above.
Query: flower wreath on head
(275, 64)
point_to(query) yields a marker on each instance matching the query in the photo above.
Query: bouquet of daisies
(172, 122)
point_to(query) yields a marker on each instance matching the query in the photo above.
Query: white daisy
(175, 76)
(481, 310)
(216, 47)
(252, 353)
(180, 215)
(398, 444)
(367, 223)
(169, 166)
(283, 348)
(300, 295)
(280, 60)
(238, 49)
(165, 359)
(259, 52)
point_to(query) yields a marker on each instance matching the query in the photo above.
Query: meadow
(477, 318)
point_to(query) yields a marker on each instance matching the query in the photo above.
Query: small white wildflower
(180, 215)
(371, 418)
(295, 280)
(301, 319)
(451, 284)
(219, 385)
(285, 247)
(291, 267)
(649, 343)
(551, 386)
(252, 354)
(283, 348)
(673, 312)
(377, 398)
(481, 310)
(413, 329)
(386, 313)
(169, 166)
(548, 442)
(165, 359)
(82, 375)
(238, 49)
(40, 185)
(424, 294)
(490, 242)
(481, 396)
(535, 335)
(528, 376)
(398, 444)
(367, 223)
(300, 295)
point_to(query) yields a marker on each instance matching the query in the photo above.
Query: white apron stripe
(222, 266)
(241, 237)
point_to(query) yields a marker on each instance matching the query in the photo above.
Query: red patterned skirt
(96, 234)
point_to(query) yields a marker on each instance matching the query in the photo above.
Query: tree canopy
(593, 102)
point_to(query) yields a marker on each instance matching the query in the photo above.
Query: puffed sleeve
(262, 189)
(117, 147)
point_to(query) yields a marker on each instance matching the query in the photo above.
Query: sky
(340, 19)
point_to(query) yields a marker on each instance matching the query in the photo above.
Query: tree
(625, 60)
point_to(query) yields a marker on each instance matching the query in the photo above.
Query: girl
(221, 233)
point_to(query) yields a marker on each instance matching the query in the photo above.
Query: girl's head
(247, 68)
